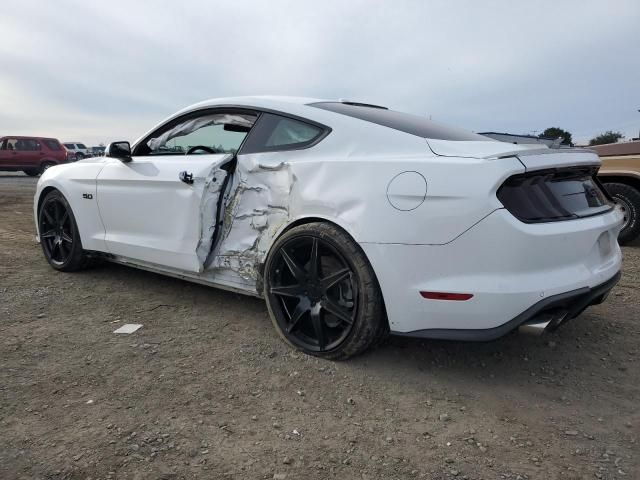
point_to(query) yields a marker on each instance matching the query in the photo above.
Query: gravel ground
(207, 390)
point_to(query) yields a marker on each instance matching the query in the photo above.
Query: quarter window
(52, 144)
(275, 132)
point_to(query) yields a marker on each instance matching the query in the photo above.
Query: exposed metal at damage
(211, 189)
(248, 227)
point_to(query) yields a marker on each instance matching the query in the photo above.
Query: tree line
(607, 137)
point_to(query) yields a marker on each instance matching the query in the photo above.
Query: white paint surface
(458, 239)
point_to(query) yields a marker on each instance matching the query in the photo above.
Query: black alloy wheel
(323, 298)
(56, 235)
(59, 235)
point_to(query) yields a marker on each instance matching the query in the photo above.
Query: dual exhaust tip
(543, 322)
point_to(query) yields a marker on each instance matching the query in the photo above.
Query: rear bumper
(514, 271)
(552, 311)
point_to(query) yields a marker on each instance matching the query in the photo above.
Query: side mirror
(119, 150)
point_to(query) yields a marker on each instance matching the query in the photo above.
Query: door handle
(186, 177)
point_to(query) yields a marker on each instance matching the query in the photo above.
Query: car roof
(263, 101)
(27, 137)
(284, 104)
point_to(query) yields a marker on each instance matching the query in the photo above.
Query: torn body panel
(256, 208)
(270, 191)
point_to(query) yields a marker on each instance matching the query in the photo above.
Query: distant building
(518, 139)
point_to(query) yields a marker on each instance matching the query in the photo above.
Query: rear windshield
(405, 122)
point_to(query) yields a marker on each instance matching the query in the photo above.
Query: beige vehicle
(620, 174)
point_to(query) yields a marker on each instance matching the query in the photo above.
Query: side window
(24, 144)
(211, 133)
(51, 144)
(275, 132)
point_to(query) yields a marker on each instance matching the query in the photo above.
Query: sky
(99, 71)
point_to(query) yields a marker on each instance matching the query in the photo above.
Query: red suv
(32, 155)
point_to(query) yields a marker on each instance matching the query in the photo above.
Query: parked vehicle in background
(78, 150)
(32, 155)
(620, 174)
(96, 151)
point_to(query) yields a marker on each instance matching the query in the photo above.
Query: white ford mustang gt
(351, 220)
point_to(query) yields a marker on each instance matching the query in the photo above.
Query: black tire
(32, 172)
(45, 165)
(334, 310)
(629, 200)
(59, 236)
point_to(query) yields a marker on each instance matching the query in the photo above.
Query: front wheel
(59, 236)
(628, 198)
(322, 294)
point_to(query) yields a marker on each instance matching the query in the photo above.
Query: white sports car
(351, 220)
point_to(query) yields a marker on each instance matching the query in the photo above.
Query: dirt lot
(207, 390)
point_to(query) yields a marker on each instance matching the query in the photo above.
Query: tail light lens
(554, 195)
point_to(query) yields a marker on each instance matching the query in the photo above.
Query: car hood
(91, 160)
(533, 157)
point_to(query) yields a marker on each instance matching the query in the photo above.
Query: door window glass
(21, 144)
(212, 133)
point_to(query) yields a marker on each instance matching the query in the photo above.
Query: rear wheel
(45, 166)
(322, 294)
(32, 172)
(59, 235)
(628, 198)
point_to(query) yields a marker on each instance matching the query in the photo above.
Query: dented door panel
(149, 214)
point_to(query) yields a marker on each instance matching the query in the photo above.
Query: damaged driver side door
(161, 206)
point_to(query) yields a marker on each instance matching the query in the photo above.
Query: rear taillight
(554, 195)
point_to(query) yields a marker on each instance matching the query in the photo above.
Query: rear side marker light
(446, 296)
